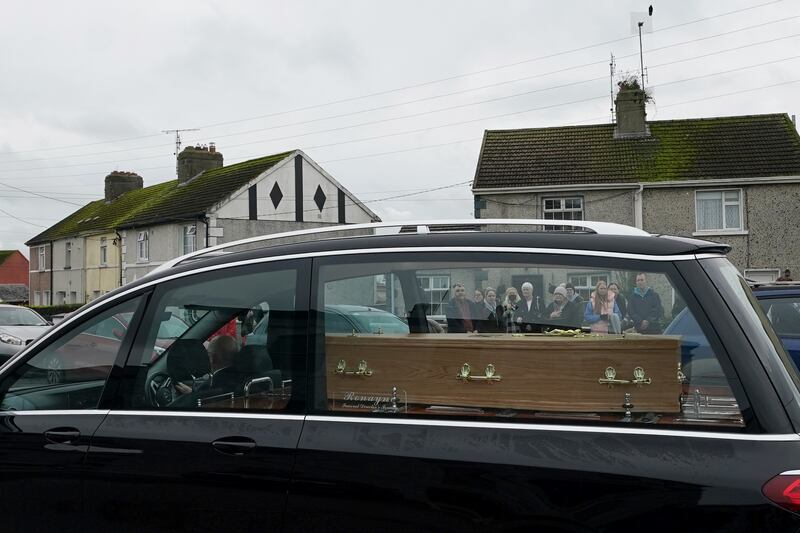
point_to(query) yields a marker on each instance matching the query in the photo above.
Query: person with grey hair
(561, 312)
(528, 315)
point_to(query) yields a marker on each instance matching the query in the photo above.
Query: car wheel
(55, 370)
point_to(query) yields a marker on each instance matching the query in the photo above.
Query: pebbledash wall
(769, 240)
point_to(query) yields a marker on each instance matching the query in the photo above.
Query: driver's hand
(183, 388)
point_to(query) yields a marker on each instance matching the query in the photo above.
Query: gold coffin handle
(361, 369)
(610, 378)
(489, 374)
(639, 377)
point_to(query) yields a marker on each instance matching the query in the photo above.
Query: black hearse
(550, 404)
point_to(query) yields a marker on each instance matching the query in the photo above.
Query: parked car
(18, 327)
(343, 319)
(308, 428)
(781, 302)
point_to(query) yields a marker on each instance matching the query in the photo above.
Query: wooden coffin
(532, 372)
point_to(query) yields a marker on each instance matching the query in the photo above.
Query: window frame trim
(607, 262)
(741, 230)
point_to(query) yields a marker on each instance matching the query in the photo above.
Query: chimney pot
(193, 161)
(119, 182)
(631, 113)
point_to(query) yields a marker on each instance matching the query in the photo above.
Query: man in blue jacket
(644, 307)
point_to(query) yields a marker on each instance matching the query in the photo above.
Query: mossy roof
(691, 149)
(160, 203)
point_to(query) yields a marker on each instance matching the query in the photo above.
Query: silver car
(18, 327)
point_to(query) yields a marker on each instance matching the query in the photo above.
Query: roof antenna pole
(178, 142)
(641, 55)
(612, 67)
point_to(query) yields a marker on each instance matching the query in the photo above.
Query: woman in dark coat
(490, 313)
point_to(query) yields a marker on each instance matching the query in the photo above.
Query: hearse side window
(511, 340)
(71, 372)
(219, 341)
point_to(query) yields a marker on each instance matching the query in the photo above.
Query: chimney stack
(118, 183)
(195, 159)
(631, 113)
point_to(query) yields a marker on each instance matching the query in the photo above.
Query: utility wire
(21, 219)
(417, 85)
(752, 89)
(452, 93)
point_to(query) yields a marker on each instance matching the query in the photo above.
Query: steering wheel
(159, 389)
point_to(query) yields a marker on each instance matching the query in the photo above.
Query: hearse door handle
(62, 435)
(234, 445)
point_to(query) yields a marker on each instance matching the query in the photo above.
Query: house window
(42, 258)
(103, 251)
(61, 297)
(585, 282)
(570, 208)
(37, 298)
(189, 239)
(719, 210)
(68, 255)
(73, 297)
(436, 292)
(47, 300)
(142, 247)
(95, 295)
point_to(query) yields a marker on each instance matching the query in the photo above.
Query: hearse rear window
(515, 340)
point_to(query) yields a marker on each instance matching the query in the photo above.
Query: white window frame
(47, 300)
(68, 255)
(562, 209)
(42, 258)
(103, 251)
(142, 247)
(725, 203)
(189, 238)
(435, 294)
(774, 273)
(590, 278)
(37, 298)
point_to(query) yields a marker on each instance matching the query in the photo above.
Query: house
(727, 179)
(134, 229)
(14, 273)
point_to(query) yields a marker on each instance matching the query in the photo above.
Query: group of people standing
(606, 311)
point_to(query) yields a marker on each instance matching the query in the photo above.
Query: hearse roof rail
(419, 227)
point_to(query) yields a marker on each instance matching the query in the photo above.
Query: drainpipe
(50, 300)
(205, 221)
(119, 253)
(637, 206)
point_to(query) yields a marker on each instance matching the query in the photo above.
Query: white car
(18, 327)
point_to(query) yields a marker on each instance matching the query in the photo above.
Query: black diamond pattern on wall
(319, 198)
(276, 195)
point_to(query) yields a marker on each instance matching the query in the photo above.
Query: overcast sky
(390, 98)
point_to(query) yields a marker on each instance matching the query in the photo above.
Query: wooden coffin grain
(537, 372)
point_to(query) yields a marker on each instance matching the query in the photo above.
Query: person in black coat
(460, 311)
(644, 307)
(561, 313)
(622, 303)
(528, 316)
(489, 313)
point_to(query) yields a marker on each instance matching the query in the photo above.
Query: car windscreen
(784, 313)
(20, 316)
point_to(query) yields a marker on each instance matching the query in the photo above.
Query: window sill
(720, 232)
